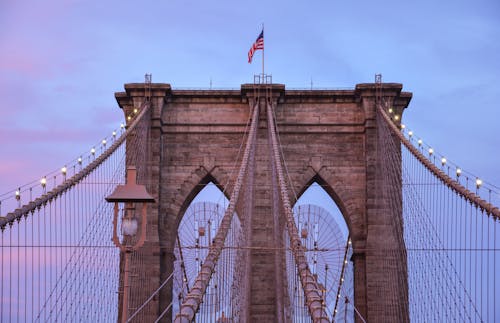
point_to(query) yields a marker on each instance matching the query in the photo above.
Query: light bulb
(479, 182)
(129, 226)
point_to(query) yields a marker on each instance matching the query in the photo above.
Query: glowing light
(129, 118)
(135, 110)
(443, 161)
(420, 142)
(396, 117)
(390, 110)
(122, 126)
(80, 160)
(64, 170)
(129, 226)
(345, 261)
(43, 182)
(18, 195)
(410, 133)
(459, 172)
(479, 182)
(402, 126)
(114, 133)
(431, 151)
(92, 151)
(104, 142)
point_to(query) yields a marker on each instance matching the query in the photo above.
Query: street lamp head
(131, 192)
(134, 196)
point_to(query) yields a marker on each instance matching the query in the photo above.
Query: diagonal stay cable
(11, 217)
(312, 294)
(193, 300)
(150, 298)
(441, 175)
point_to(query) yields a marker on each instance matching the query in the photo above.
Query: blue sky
(61, 62)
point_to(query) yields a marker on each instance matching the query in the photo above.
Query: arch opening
(316, 194)
(206, 190)
(197, 229)
(325, 235)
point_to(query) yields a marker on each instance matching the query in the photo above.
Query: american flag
(259, 44)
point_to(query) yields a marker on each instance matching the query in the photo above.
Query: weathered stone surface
(327, 136)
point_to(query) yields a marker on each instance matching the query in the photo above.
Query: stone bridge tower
(327, 136)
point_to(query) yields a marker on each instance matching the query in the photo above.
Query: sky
(62, 60)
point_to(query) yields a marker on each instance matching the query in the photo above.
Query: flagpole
(263, 81)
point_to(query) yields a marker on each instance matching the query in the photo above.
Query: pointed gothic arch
(330, 192)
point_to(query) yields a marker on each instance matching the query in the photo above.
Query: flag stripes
(259, 44)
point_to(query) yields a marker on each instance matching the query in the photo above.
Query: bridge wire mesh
(312, 293)
(49, 273)
(451, 246)
(57, 262)
(192, 303)
(198, 227)
(141, 282)
(327, 252)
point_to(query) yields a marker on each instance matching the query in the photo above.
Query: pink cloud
(11, 166)
(22, 62)
(59, 135)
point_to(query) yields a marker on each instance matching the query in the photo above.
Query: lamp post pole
(126, 286)
(131, 193)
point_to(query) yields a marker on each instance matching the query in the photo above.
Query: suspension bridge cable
(193, 300)
(69, 248)
(454, 185)
(309, 284)
(150, 298)
(163, 313)
(447, 235)
(431, 225)
(57, 191)
(236, 159)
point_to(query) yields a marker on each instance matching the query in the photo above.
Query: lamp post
(132, 195)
